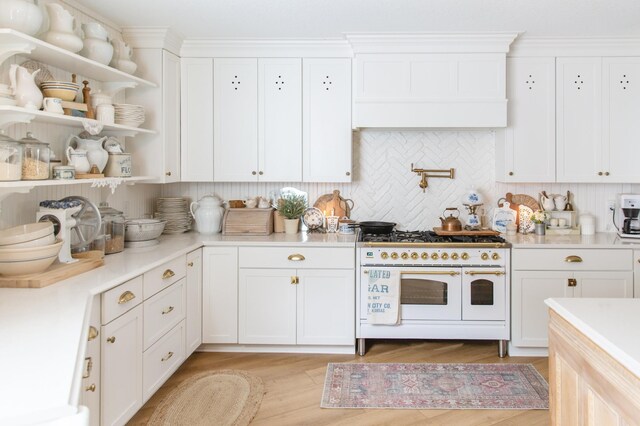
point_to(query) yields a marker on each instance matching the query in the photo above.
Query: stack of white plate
(129, 115)
(176, 212)
(6, 95)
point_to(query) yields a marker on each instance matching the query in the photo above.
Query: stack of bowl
(6, 95)
(28, 249)
(64, 90)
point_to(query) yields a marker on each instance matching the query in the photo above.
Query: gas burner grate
(423, 237)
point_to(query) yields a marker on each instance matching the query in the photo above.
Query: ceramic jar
(96, 44)
(20, 15)
(122, 57)
(118, 165)
(62, 26)
(26, 92)
(95, 153)
(208, 212)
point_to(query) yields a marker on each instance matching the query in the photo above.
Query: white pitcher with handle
(208, 212)
(24, 87)
(78, 159)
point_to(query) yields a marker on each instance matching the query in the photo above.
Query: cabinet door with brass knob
(193, 323)
(121, 360)
(90, 396)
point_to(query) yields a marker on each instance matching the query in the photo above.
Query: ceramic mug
(251, 203)
(53, 105)
(264, 203)
(553, 222)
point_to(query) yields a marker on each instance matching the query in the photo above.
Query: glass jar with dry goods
(113, 223)
(35, 158)
(10, 158)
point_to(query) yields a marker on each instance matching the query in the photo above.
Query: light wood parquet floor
(294, 383)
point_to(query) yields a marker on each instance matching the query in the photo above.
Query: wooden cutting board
(486, 232)
(56, 272)
(334, 205)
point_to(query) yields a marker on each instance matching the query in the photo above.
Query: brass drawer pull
(93, 333)
(296, 257)
(168, 274)
(89, 366)
(168, 310)
(190, 264)
(472, 273)
(572, 282)
(166, 357)
(125, 297)
(573, 259)
(452, 273)
(91, 388)
(111, 339)
(295, 280)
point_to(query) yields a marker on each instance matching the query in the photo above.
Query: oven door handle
(452, 273)
(498, 273)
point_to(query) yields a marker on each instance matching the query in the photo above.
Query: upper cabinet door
(579, 118)
(235, 120)
(170, 97)
(621, 119)
(326, 147)
(280, 120)
(529, 146)
(197, 119)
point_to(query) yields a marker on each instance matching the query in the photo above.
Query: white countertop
(609, 240)
(44, 331)
(611, 323)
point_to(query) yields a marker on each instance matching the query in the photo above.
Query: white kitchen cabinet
(158, 154)
(162, 359)
(636, 273)
(220, 295)
(539, 274)
(526, 149)
(620, 123)
(197, 120)
(235, 119)
(325, 307)
(326, 106)
(193, 323)
(122, 345)
(267, 306)
(90, 396)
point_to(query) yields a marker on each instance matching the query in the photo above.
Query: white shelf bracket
(7, 118)
(11, 49)
(112, 88)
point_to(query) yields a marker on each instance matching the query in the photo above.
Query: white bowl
(25, 233)
(24, 267)
(47, 240)
(29, 253)
(143, 229)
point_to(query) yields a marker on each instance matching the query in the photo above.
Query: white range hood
(440, 80)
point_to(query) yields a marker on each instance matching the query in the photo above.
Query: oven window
(481, 292)
(421, 291)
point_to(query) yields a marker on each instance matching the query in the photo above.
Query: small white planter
(291, 226)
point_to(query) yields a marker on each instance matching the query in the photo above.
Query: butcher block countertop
(44, 331)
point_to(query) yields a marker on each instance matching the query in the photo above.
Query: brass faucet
(431, 173)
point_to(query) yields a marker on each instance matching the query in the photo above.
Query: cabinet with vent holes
(525, 150)
(598, 102)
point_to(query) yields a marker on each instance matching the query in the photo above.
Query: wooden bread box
(247, 221)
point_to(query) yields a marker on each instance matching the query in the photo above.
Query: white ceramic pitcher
(208, 212)
(62, 27)
(24, 87)
(95, 153)
(78, 159)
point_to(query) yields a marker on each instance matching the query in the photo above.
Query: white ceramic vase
(96, 45)
(62, 29)
(20, 15)
(291, 226)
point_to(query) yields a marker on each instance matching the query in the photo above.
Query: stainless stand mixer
(76, 221)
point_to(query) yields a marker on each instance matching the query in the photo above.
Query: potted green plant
(292, 207)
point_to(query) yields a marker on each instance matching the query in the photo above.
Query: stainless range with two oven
(451, 287)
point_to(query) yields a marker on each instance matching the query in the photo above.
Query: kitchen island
(44, 331)
(594, 361)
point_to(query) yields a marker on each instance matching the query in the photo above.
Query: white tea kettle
(208, 212)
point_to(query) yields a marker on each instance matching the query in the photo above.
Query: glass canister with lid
(113, 224)
(10, 158)
(35, 158)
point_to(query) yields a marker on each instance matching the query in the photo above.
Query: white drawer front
(161, 360)
(119, 300)
(163, 311)
(164, 275)
(571, 260)
(297, 257)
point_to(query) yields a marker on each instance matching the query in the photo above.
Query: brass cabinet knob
(168, 274)
(599, 173)
(510, 173)
(168, 173)
(93, 333)
(296, 257)
(254, 173)
(414, 255)
(484, 256)
(495, 256)
(111, 339)
(167, 311)
(91, 388)
(260, 173)
(573, 259)
(606, 173)
(444, 256)
(394, 255)
(166, 357)
(385, 255)
(295, 280)
(404, 255)
(572, 282)
(434, 256)
(190, 264)
(454, 256)
(465, 256)
(348, 173)
(425, 256)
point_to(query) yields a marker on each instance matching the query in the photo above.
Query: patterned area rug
(441, 386)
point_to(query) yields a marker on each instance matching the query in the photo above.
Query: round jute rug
(221, 397)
